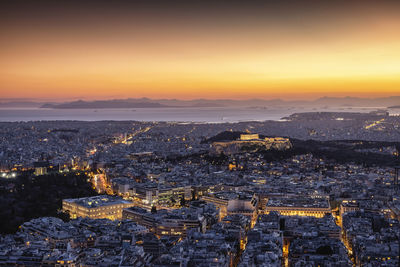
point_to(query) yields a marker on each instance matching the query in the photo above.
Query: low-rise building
(97, 207)
(170, 223)
(230, 203)
(301, 206)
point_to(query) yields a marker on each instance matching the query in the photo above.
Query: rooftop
(298, 202)
(97, 201)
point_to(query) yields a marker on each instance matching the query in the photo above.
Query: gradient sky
(193, 49)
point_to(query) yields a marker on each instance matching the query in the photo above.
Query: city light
(158, 133)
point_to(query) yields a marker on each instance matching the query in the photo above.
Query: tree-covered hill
(30, 196)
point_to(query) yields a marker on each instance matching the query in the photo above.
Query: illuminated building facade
(97, 207)
(245, 137)
(250, 142)
(316, 207)
(41, 167)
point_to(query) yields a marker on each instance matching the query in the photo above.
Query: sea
(207, 115)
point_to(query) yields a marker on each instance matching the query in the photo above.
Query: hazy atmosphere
(193, 133)
(199, 49)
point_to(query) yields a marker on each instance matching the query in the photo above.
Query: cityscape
(168, 134)
(191, 194)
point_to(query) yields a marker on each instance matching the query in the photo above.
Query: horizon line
(74, 99)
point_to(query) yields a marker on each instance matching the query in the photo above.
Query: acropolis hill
(250, 143)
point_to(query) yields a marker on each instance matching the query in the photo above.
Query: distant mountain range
(398, 106)
(19, 104)
(384, 102)
(103, 104)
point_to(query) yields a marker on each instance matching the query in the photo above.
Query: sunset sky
(199, 49)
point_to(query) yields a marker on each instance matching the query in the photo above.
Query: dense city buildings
(371, 238)
(199, 133)
(159, 194)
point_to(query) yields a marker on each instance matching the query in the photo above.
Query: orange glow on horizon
(347, 55)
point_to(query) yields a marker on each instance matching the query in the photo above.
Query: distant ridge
(381, 102)
(398, 106)
(103, 105)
